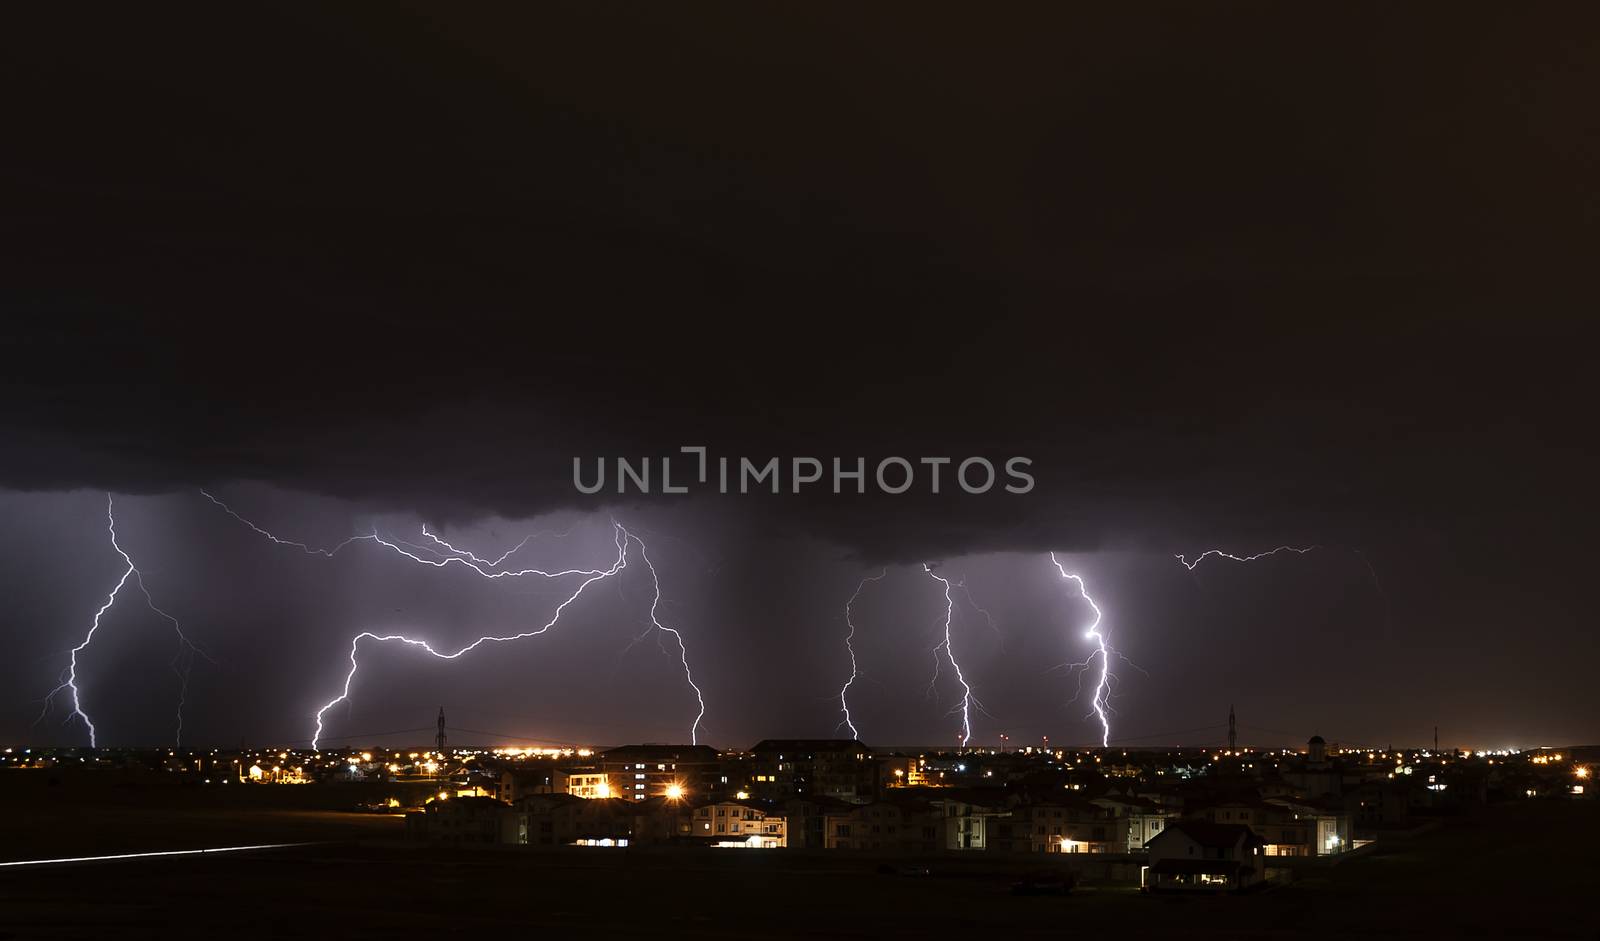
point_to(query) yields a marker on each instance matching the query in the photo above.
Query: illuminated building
(639, 772)
(1140, 819)
(276, 774)
(741, 823)
(1200, 856)
(588, 784)
(1060, 825)
(1288, 827)
(780, 768)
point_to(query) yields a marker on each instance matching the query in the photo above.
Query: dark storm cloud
(1168, 257)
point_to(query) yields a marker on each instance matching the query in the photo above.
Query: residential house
(1201, 856)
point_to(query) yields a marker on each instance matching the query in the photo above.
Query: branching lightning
(987, 617)
(1388, 614)
(967, 699)
(490, 569)
(308, 550)
(1101, 702)
(683, 652)
(1298, 550)
(496, 563)
(849, 645)
(181, 663)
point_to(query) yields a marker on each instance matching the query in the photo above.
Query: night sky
(1232, 277)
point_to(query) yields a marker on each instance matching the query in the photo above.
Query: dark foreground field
(1526, 871)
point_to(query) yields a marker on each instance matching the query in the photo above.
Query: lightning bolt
(1298, 550)
(1101, 702)
(987, 617)
(496, 563)
(461, 557)
(1377, 585)
(683, 652)
(308, 550)
(967, 699)
(487, 569)
(849, 645)
(623, 539)
(186, 648)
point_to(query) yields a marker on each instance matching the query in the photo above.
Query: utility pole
(1233, 730)
(438, 740)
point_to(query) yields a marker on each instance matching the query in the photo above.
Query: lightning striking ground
(187, 650)
(967, 699)
(849, 645)
(623, 539)
(683, 651)
(1101, 703)
(488, 569)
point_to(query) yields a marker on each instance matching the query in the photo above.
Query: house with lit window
(681, 772)
(1058, 825)
(583, 781)
(1138, 818)
(1328, 825)
(1201, 856)
(967, 817)
(1283, 833)
(741, 823)
(840, 768)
